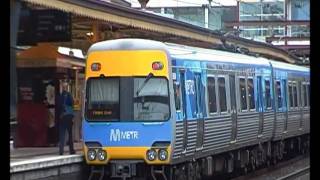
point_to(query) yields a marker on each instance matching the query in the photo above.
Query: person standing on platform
(65, 118)
(50, 101)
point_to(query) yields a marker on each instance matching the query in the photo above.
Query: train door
(199, 92)
(184, 110)
(233, 106)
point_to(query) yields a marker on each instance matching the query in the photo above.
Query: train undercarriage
(221, 166)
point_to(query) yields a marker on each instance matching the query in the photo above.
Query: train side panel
(219, 126)
(292, 114)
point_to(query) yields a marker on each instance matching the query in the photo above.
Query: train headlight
(151, 154)
(91, 155)
(157, 65)
(95, 67)
(163, 154)
(101, 155)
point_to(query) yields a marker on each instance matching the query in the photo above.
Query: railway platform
(43, 162)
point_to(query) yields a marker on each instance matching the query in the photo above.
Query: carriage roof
(190, 53)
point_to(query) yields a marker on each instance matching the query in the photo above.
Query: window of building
(273, 10)
(267, 94)
(212, 95)
(243, 94)
(261, 11)
(218, 15)
(299, 30)
(251, 31)
(259, 33)
(249, 11)
(279, 99)
(300, 10)
(275, 31)
(251, 94)
(295, 94)
(222, 94)
(191, 15)
(177, 97)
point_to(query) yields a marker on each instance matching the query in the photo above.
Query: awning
(47, 55)
(151, 22)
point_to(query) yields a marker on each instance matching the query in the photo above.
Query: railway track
(286, 170)
(296, 174)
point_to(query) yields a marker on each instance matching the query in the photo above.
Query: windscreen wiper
(150, 75)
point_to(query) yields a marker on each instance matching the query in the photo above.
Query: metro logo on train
(190, 87)
(118, 135)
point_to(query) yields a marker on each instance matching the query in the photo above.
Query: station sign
(43, 26)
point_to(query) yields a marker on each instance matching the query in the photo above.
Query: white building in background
(272, 11)
(182, 3)
(285, 23)
(202, 15)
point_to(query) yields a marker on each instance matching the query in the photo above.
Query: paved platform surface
(28, 159)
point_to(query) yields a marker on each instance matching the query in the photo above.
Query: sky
(175, 3)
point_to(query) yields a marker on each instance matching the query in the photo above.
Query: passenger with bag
(65, 118)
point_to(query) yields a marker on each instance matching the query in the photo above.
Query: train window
(176, 88)
(304, 90)
(103, 99)
(278, 89)
(128, 99)
(222, 94)
(197, 81)
(151, 99)
(295, 94)
(251, 94)
(290, 95)
(243, 93)
(212, 95)
(305, 93)
(308, 89)
(268, 94)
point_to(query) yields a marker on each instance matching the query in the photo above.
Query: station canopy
(92, 21)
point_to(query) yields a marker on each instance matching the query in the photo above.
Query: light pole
(14, 25)
(143, 3)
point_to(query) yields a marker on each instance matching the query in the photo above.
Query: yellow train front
(128, 124)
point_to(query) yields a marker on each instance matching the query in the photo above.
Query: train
(167, 111)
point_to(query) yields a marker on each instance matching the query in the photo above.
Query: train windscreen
(127, 99)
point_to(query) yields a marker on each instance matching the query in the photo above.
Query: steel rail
(296, 174)
(266, 170)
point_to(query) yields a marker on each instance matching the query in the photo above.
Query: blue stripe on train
(127, 133)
